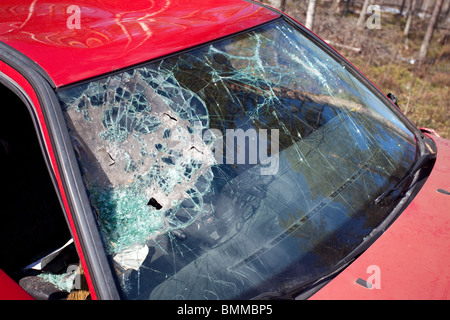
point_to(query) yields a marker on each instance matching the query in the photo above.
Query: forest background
(402, 46)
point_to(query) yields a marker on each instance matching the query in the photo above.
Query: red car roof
(104, 36)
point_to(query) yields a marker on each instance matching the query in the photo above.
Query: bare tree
(425, 5)
(446, 10)
(430, 29)
(335, 6)
(310, 13)
(283, 5)
(346, 7)
(362, 15)
(402, 7)
(410, 14)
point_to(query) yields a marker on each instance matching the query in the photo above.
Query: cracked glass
(246, 166)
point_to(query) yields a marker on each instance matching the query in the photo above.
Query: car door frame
(36, 89)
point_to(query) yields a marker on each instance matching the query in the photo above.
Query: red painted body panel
(117, 34)
(10, 290)
(412, 258)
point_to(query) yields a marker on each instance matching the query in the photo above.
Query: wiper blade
(303, 290)
(419, 164)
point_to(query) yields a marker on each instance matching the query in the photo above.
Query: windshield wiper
(421, 161)
(303, 290)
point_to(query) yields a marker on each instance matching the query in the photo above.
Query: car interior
(32, 223)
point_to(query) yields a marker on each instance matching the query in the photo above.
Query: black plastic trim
(24, 62)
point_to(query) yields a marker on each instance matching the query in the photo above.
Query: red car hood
(411, 260)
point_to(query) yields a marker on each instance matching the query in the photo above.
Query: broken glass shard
(182, 218)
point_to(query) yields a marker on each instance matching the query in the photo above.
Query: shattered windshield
(245, 166)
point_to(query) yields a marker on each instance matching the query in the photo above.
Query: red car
(207, 150)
